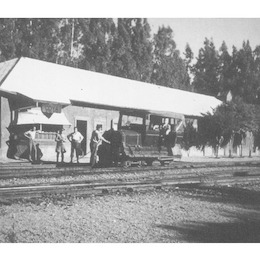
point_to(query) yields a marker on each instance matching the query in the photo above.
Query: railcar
(140, 140)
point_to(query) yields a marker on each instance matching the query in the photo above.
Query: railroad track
(133, 179)
(38, 171)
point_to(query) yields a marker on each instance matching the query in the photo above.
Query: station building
(51, 96)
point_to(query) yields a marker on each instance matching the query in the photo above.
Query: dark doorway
(82, 128)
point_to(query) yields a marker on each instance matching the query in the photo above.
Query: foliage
(189, 136)
(169, 69)
(235, 116)
(226, 74)
(124, 47)
(206, 70)
(189, 55)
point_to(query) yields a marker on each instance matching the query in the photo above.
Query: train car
(141, 139)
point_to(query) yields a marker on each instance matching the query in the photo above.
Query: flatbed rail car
(139, 141)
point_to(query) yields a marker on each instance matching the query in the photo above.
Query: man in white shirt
(75, 138)
(31, 134)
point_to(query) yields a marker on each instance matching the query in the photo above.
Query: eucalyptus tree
(8, 37)
(189, 62)
(169, 69)
(206, 75)
(226, 74)
(122, 62)
(244, 83)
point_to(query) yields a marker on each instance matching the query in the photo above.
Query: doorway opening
(82, 128)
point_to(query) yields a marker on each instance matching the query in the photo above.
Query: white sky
(237, 26)
(194, 30)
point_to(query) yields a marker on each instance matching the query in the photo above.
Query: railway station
(52, 97)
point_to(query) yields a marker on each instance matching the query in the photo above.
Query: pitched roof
(44, 81)
(6, 67)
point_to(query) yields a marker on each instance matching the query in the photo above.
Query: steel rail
(41, 171)
(106, 186)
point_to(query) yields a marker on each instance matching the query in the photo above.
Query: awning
(35, 116)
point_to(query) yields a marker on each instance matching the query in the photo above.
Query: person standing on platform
(60, 148)
(75, 138)
(31, 134)
(96, 140)
(166, 128)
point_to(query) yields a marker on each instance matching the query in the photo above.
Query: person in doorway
(75, 138)
(95, 142)
(31, 134)
(60, 147)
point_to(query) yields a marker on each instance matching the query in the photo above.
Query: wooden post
(120, 121)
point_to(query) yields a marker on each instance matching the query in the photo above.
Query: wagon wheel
(162, 163)
(127, 164)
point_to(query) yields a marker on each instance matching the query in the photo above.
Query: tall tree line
(122, 47)
(217, 73)
(220, 73)
(125, 48)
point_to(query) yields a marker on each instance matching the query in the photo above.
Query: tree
(226, 74)
(169, 69)
(96, 36)
(142, 48)
(206, 77)
(189, 56)
(231, 117)
(7, 36)
(122, 61)
(245, 83)
(256, 55)
(190, 136)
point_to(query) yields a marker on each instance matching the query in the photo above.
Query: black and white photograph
(124, 130)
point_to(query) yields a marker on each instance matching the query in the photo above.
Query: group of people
(75, 138)
(167, 138)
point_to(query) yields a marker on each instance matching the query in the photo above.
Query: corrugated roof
(51, 82)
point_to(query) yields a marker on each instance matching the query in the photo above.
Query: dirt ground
(176, 215)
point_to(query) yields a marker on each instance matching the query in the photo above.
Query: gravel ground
(194, 214)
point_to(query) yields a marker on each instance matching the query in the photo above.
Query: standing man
(31, 134)
(60, 147)
(75, 138)
(170, 140)
(96, 140)
(166, 130)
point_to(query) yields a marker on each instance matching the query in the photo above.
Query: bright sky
(190, 20)
(194, 30)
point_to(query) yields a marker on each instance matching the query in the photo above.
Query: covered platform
(49, 82)
(33, 86)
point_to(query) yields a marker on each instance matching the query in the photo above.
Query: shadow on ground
(242, 231)
(228, 195)
(243, 221)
